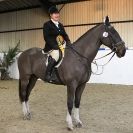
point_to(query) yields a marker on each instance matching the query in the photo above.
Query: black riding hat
(53, 9)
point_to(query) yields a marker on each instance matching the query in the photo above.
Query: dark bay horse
(75, 69)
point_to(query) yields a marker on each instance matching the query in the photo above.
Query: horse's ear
(106, 21)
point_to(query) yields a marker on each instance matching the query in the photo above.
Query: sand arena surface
(104, 109)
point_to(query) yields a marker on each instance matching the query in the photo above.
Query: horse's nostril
(114, 49)
(124, 52)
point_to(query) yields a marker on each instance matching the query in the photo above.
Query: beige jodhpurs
(54, 54)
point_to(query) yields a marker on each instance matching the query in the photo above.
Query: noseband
(117, 45)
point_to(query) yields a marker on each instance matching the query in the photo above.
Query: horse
(74, 71)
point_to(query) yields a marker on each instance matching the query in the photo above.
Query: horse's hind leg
(25, 86)
(30, 86)
(23, 83)
(78, 94)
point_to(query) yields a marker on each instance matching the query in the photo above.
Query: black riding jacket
(50, 32)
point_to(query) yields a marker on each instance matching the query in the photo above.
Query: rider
(51, 30)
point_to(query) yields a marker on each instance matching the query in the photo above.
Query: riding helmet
(53, 9)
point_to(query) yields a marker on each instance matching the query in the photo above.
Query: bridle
(114, 44)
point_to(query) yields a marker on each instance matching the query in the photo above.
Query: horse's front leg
(78, 94)
(70, 101)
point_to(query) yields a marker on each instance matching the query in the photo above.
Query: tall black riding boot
(51, 63)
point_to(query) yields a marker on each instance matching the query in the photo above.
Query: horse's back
(30, 51)
(24, 56)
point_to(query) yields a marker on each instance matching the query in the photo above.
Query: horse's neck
(89, 44)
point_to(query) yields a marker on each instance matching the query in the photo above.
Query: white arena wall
(117, 71)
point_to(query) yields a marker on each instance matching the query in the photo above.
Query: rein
(114, 50)
(95, 59)
(95, 73)
(77, 52)
(104, 55)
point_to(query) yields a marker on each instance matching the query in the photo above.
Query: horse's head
(111, 38)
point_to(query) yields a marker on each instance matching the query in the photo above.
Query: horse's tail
(20, 98)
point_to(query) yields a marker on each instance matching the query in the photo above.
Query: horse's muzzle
(120, 49)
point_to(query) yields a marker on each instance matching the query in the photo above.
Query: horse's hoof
(79, 125)
(70, 127)
(27, 116)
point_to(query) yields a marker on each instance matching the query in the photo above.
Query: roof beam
(20, 9)
(57, 2)
(43, 3)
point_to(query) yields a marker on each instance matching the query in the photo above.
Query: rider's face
(55, 16)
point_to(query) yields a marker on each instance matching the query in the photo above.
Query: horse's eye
(105, 34)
